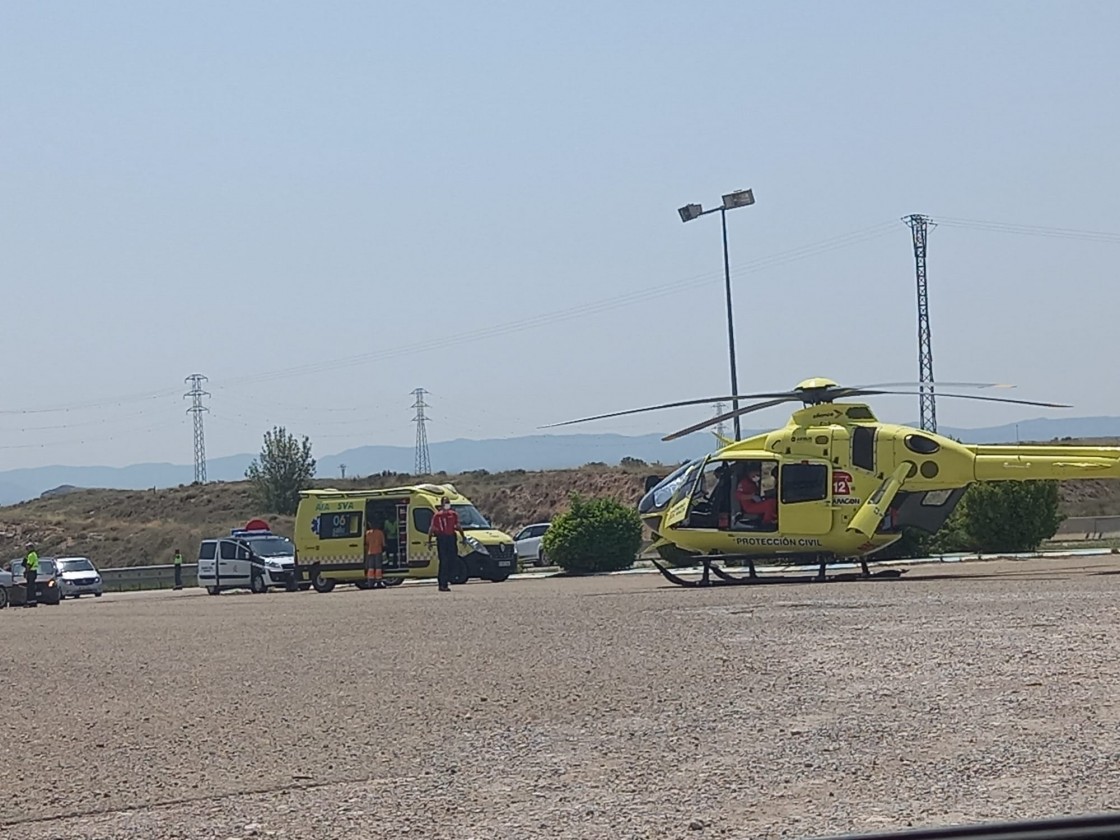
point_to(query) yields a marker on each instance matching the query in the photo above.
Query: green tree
(594, 535)
(285, 467)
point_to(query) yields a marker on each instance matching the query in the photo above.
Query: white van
(250, 558)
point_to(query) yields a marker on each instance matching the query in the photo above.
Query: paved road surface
(610, 707)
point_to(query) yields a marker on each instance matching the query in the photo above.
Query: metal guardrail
(1088, 528)
(133, 578)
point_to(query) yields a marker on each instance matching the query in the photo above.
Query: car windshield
(272, 547)
(46, 567)
(470, 518)
(79, 564)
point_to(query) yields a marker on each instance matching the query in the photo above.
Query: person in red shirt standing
(444, 526)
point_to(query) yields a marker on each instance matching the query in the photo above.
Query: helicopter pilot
(752, 504)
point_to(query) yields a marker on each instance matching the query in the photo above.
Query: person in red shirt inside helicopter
(749, 496)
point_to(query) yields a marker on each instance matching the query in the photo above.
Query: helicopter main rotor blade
(712, 421)
(849, 392)
(785, 396)
(934, 384)
(969, 397)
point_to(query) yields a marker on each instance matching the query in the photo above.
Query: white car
(527, 543)
(77, 576)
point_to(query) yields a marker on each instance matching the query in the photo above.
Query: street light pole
(739, 198)
(730, 324)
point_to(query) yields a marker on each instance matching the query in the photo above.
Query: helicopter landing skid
(754, 579)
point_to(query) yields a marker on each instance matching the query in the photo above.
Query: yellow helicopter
(833, 484)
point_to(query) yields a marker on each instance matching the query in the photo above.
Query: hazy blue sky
(322, 206)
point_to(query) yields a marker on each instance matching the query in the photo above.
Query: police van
(330, 536)
(252, 558)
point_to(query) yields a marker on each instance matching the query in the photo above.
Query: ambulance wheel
(257, 584)
(322, 584)
(459, 572)
(394, 581)
(213, 590)
(3, 597)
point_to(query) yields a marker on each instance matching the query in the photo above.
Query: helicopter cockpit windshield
(662, 493)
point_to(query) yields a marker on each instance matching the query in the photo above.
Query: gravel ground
(595, 708)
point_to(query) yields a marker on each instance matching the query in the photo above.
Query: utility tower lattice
(720, 428)
(196, 394)
(423, 462)
(919, 227)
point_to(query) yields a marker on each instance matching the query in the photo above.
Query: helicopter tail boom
(1029, 463)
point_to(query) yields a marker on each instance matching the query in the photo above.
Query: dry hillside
(129, 527)
(137, 527)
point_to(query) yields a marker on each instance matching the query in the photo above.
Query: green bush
(594, 535)
(1010, 516)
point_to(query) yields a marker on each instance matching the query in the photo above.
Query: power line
(196, 394)
(595, 307)
(423, 462)
(919, 226)
(553, 316)
(1031, 230)
(583, 310)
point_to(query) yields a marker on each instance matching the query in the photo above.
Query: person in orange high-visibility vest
(375, 552)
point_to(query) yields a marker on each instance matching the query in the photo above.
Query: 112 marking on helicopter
(834, 483)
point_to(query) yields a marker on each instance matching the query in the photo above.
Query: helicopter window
(751, 494)
(863, 447)
(658, 496)
(936, 498)
(921, 444)
(803, 483)
(710, 506)
(684, 487)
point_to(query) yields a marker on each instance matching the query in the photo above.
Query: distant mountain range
(537, 452)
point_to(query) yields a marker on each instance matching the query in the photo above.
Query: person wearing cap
(749, 496)
(444, 526)
(30, 573)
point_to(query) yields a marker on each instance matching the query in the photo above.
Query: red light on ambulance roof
(256, 525)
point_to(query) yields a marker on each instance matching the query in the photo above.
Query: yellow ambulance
(330, 536)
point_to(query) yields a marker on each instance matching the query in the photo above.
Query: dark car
(46, 583)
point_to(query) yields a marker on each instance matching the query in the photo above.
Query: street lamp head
(739, 198)
(689, 212)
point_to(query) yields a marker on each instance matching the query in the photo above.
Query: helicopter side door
(805, 496)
